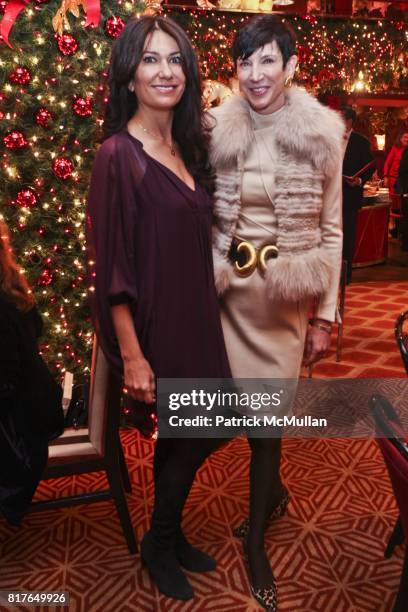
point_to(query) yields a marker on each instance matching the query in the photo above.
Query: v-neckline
(164, 165)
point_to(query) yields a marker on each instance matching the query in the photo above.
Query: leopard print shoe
(267, 598)
(278, 511)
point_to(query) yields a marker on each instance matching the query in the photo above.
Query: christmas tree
(52, 104)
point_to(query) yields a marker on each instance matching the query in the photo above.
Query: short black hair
(261, 30)
(349, 113)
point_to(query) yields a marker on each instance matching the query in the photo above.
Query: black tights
(175, 464)
(265, 492)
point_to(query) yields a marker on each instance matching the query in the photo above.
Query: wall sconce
(380, 138)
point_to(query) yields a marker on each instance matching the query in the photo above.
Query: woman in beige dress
(277, 243)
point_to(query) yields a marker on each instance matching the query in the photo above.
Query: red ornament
(20, 75)
(324, 75)
(39, 182)
(63, 167)
(45, 279)
(3, 4)
(67, 44)
(27, 198)
(43, 116)
(82, 107)
(15, 140)
(113, 26)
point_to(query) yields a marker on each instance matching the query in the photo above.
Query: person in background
(277, 243)
(30, 400)
(357, 154)
(403, 181)
(391, 174)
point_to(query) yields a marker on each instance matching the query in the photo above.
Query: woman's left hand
(316, 346)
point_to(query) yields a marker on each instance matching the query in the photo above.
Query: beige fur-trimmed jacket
(307, 196)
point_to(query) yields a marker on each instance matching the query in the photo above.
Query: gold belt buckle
(255, 258)
(269, 251)
(250, 264)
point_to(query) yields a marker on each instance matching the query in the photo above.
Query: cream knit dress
(263, 340)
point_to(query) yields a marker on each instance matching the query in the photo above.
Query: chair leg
(396, 538)
(113, 472)
(123, 469)
(401, 603)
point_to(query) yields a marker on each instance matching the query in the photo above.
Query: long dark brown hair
(12, 282)
(188, 128)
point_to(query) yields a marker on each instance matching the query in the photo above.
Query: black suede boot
(158, 547)
(165, 569)
(191, 558)
(164, 548)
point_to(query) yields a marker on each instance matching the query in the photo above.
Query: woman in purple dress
(149, 233)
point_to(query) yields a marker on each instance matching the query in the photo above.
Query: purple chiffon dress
(149, 235)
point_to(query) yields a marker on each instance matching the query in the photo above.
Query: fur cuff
(295, 277)
(222, 273)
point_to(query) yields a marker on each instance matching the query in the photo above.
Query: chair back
(393, 443)
(97, 410)
(104, 402)
(401, 336)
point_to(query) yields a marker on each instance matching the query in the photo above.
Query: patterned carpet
(327, 552)
(369, 348)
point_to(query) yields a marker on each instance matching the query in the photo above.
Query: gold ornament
(60, 21)
(152, 7)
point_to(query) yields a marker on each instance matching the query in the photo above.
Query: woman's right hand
(139, 380)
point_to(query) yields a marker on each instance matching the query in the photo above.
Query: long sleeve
(366, 157)
(332, 242)
(111, 230)
(111, 234)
